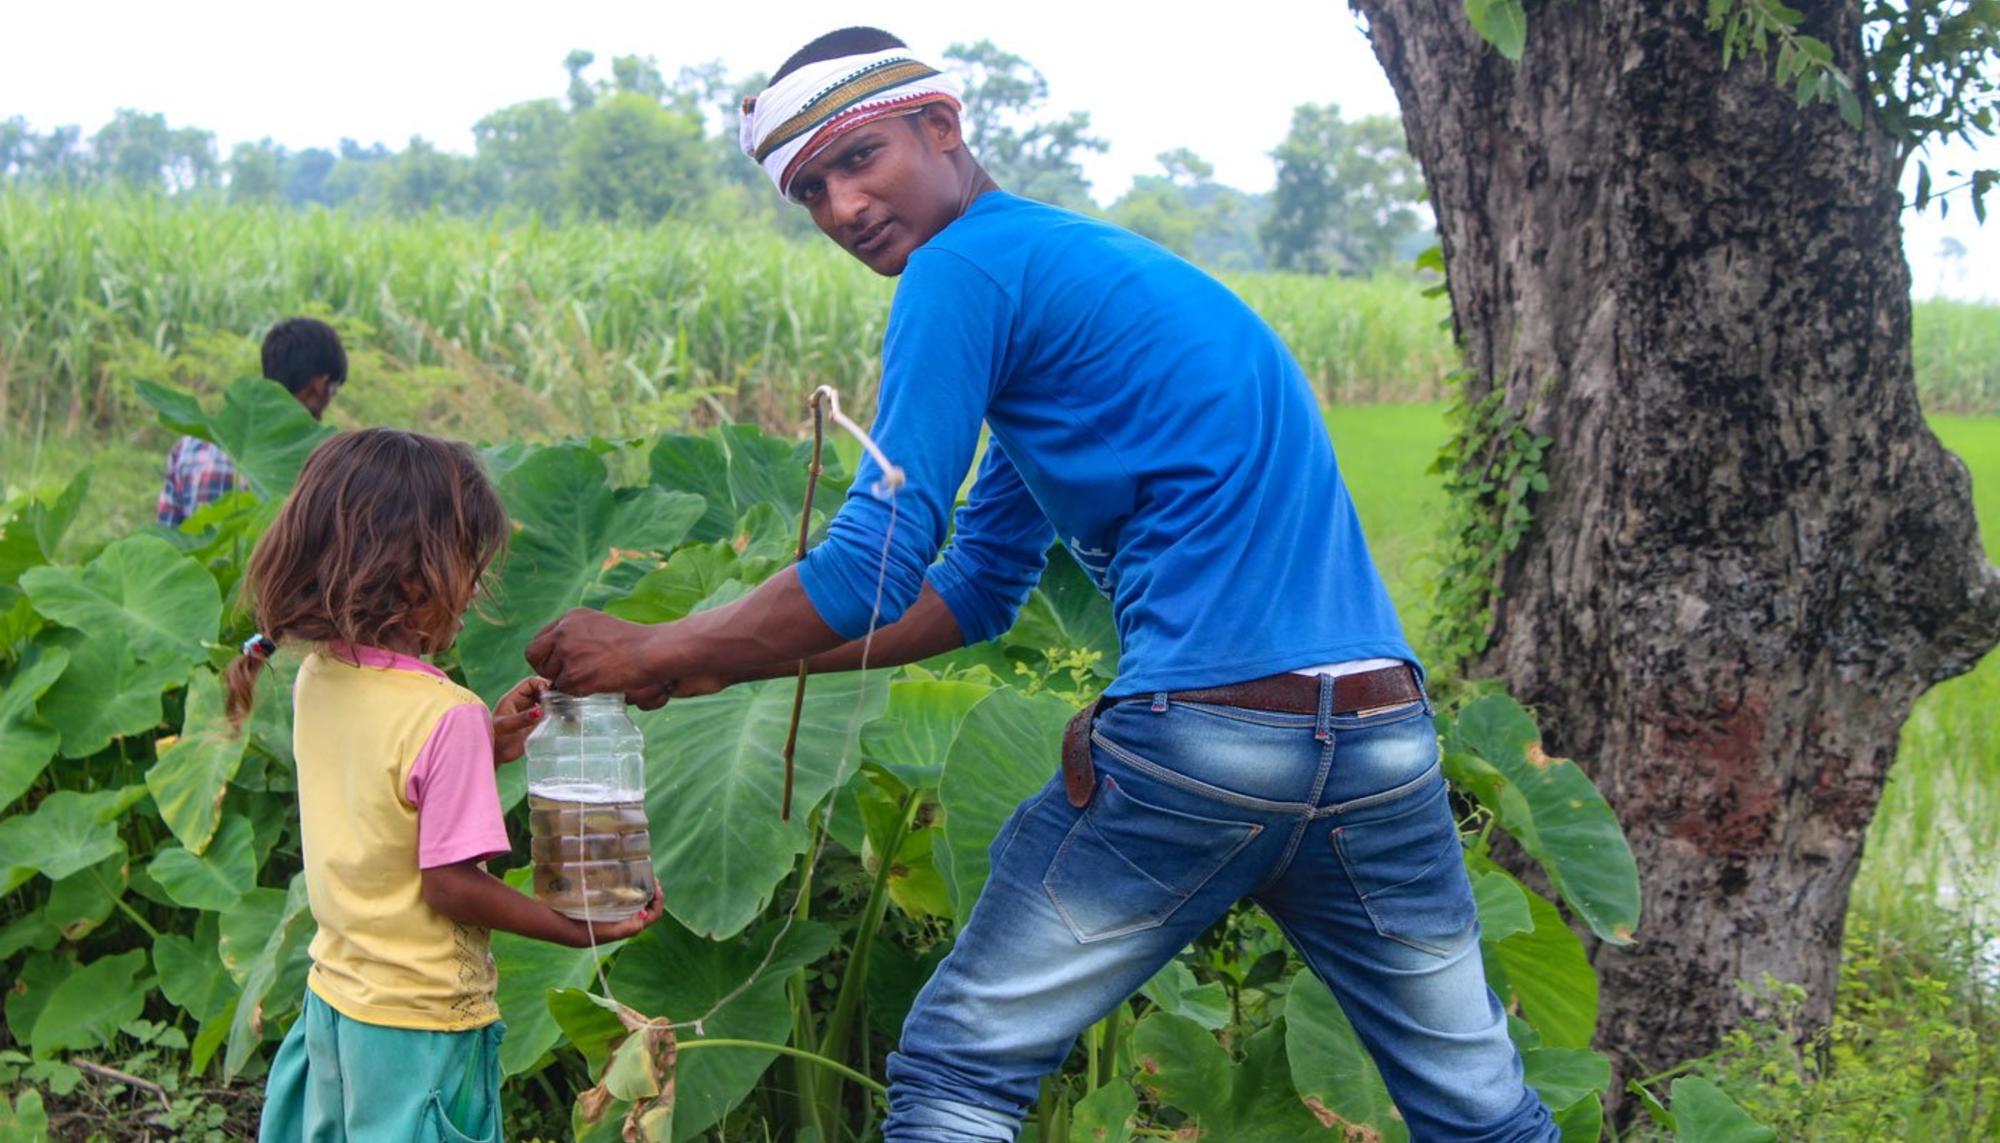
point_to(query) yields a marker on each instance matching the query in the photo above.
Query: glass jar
(587, 830)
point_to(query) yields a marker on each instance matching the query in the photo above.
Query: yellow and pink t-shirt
(395, 775)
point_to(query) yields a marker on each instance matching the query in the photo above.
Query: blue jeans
(1338, 826)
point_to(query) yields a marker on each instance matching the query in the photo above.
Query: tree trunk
(1753, 555)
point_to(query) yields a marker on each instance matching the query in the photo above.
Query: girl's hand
(516, 717)
(604, 932)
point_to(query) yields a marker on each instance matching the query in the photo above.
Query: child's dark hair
(385, 534)
(299, 349)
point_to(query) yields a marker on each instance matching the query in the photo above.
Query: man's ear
(940, 125)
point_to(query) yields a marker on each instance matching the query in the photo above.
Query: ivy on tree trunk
(1752, 555)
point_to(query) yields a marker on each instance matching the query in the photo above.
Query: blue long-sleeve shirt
(1139, 412)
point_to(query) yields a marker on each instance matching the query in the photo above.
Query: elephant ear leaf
(1493, 751)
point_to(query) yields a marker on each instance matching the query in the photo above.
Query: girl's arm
(466, 893)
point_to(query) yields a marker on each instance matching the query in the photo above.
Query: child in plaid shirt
(303, 355)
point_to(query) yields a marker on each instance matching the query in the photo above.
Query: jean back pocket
(1126, 865)
(1408, 868)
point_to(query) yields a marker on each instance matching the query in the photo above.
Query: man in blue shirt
(1267, 735)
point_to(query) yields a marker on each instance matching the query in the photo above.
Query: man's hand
(516, 717)
(694, 686)
(588, 653)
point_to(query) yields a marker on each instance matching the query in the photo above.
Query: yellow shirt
(381, 955)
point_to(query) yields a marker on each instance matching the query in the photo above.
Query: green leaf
(768, 470)
(193, 772)
(105, 693)
(263, 428)
(26, 741)
(1703, 1114)
(283, 943)
(1330, 1069)
(1007, 748)
(1503, 906)
(1548, 973)
(177, 410)
(1582, 1121)
(215, 879)
(630, 1074)
(530, 971)
(31, 536)
(571, 530)
(191, 974)
(698, 465)
(162, 605)
(1559, 817)
(1174, 989)
(25, 1121)
(895, 976)
(693, 576)
(91, 1004)
(589, 1026)
(915, 884)
(1067, 611)
(1181, 1064)
(715, 776)
(80, 902)
(29, 992)
(1502, 23)
(32, 931)
(1105, 1115)
(1655, 1110)
(669, 972)
(763, 533)
(914, 735)
(1564, 1077)
(68, 832)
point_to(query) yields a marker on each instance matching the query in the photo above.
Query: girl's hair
(387, 534)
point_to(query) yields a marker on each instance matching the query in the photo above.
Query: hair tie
(260, 646)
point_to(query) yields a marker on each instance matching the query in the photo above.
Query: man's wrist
(661, 662)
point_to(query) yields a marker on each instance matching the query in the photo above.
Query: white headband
(795, 118)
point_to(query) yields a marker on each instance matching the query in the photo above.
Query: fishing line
(825, 404)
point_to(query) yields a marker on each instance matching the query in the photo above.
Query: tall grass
(598, 323)
(1937, 829)
(595, 327)
(1956, 350)
(1369, 340)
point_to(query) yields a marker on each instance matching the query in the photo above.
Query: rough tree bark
(1753, 554)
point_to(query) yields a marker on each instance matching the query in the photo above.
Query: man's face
(884, 189)
(317, 395)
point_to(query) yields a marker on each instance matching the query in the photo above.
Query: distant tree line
(638, 145)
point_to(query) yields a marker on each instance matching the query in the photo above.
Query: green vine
(1491, 465)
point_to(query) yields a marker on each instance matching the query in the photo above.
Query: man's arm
(943, 355)
(928, 628)
(761, 636)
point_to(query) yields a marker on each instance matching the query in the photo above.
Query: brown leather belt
(1283, 694)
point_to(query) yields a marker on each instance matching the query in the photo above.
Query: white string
(892, 479)
(892, 476)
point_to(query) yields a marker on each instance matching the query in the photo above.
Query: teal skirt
(338, 1080)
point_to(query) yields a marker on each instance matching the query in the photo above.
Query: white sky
(1221, 80)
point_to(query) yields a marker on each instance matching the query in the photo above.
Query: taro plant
(149, 858)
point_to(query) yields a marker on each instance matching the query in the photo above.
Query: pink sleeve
(452, 786)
